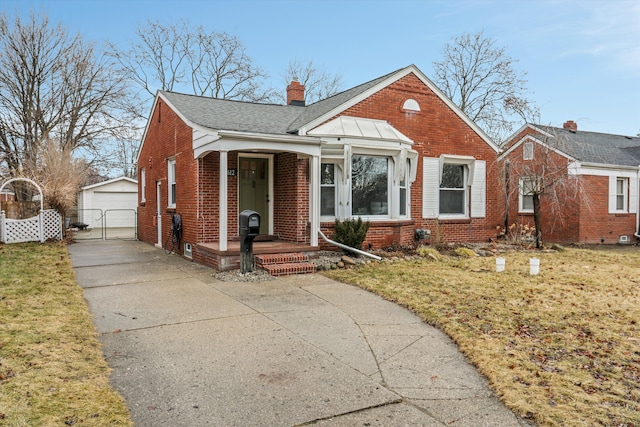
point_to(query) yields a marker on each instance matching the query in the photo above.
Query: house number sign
(232, 172)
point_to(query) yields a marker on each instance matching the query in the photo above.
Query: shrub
(465, 252)
(427, 252)
(351, 232)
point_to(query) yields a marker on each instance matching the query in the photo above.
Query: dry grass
(561, 348)
(52, 371)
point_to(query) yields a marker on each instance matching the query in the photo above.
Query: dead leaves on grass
(561, 347)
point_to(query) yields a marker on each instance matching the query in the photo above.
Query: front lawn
(561, 348)
(52, 372)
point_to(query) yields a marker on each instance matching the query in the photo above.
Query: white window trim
(521, 181)
(527, 150)
(397, 189)
(335, 186)
(171, 180)
(390, 189)
(625, 194)
(476, 186)
(143, 185)
(467, 161)
(465, 190)
(396, 159)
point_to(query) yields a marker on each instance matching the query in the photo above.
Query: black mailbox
(249, 223)
(249, 228)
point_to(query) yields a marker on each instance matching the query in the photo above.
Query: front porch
(229, 259)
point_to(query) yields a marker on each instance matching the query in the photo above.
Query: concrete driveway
(189, 350)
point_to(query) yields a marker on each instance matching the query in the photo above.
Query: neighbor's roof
(110, 181)
(594, 147)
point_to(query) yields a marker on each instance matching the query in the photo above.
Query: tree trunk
(507, 168)
(536, 220)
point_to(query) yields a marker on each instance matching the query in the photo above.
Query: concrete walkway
(189, 350)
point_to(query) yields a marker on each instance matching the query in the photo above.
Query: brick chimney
(571, 125)
(295, 93)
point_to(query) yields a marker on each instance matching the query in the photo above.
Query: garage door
(118, 208)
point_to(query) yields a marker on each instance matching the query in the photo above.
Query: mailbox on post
(249, 228)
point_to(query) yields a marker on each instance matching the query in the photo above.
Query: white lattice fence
(51, 225)
(47, 225)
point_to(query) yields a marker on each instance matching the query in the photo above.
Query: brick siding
(436, 130)
(583, 217)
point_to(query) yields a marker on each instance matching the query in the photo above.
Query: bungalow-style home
(588, 183)
(394, 151)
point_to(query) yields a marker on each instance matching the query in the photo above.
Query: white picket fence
(46, 225)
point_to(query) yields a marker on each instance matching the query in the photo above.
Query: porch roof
(356, 127)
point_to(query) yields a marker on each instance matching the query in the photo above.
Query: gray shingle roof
(322, 107)
(222, 114)
(594, 147)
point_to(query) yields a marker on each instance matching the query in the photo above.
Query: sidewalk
(189, 350)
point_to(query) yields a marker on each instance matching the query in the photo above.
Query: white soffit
(356, 127)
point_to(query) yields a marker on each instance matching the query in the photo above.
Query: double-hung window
(528, 187)
(623, 193)
(171, 179)
(328, 189)
(527, 150)
(143, 185)
(453, 189)
(622, 185)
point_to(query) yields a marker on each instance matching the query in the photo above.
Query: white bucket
(500, 262)
(534, 266)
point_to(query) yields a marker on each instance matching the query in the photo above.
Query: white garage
(110, 204)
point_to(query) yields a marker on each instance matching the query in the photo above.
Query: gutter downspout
(637, 233)
(340, 245)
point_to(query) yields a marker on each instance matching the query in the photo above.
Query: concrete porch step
(285, 264)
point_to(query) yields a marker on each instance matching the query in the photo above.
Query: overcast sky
(582, 58)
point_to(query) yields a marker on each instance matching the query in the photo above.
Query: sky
(581, 58)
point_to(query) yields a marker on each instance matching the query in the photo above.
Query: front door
(254, 188)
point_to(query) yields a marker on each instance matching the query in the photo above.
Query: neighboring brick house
(395, 151)
(600, 173)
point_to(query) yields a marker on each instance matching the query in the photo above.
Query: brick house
(395, 151)
(599, 171)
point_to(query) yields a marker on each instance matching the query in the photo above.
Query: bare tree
(318, 83)
(483, 81)
(58, 173)
(545, 185)
(190, 59)
(54, 87)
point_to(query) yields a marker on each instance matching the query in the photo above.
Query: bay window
(369, 185)
(402, 193)
(327, 189)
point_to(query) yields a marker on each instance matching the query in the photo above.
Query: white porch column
(314, 199)
(223, 202)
